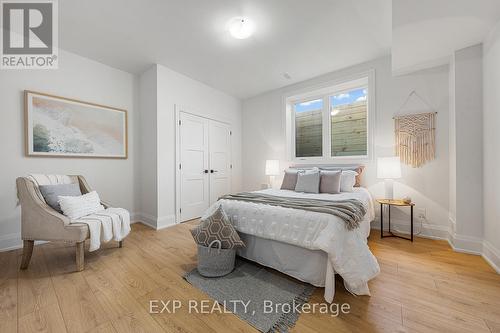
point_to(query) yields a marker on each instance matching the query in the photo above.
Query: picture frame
(57, 126)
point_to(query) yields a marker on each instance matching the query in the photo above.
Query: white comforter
(348, 252)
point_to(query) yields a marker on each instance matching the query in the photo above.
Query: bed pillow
(76, 207)
(308, 181)
(359, 172)
(217, 227)
(51, 193)
(330, 182)
(290, 180)
(347, 180)
(357, 168)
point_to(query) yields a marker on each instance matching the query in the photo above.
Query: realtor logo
(29, 34)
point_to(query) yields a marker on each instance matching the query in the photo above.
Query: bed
(309, 246)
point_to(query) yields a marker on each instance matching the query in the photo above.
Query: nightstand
(398, 203)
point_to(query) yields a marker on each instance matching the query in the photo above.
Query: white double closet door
(205, 163)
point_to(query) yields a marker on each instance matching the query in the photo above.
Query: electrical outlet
(422, 213)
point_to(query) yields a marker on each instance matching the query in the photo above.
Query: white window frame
(324, 92)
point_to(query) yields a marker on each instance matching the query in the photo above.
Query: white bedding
(348, 252)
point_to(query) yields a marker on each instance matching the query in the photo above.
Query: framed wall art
(62, 127)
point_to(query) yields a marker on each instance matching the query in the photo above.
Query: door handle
(212, 171)
(205, 171)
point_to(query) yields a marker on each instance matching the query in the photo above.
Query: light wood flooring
(423, 287)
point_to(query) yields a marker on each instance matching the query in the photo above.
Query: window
(348, 123)
(309, 128)
(331, 122)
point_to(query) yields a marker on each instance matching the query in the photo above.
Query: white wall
(467, 148)
(78, 78)
(147, 175)
(491, 146)
(452, 150)
(264, 136)
(173, 88)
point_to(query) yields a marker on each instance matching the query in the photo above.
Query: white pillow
(347, 180)
(76, 207)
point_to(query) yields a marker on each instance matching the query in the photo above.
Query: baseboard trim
(153, 222)
(13, 241)
(491, 255)
(165, 222)
(146, 219)
(10, 242)
(431, 231)
(465, 244)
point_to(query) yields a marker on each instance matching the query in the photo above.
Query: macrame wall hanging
(415, 135)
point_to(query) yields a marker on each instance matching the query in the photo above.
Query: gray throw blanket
(351, 211)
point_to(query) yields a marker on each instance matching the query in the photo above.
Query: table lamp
(389, 168)
(272, 170)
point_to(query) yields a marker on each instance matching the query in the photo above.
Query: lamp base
(271, 181)
(389, 188)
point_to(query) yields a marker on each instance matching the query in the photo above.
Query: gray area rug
(251, 291)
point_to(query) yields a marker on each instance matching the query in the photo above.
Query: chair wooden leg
(80, 264)
(27, 252)
(120, 244)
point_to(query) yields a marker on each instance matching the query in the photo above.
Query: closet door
(220, 159)
(194, 166)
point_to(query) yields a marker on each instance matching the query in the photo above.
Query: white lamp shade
(388, 167)
(272, 168)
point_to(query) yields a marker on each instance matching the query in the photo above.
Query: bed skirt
(303, 264)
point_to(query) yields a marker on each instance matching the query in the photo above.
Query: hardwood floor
(423, 287)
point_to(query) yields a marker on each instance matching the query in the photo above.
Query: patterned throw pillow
(217, 226)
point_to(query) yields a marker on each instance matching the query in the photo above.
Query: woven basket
(215, 262)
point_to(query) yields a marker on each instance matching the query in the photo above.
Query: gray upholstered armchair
(39, 221)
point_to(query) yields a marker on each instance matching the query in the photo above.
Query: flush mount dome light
(240, 27)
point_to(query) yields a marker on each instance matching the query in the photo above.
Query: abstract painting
(57, 126)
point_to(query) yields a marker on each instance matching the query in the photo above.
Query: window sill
(332, 160)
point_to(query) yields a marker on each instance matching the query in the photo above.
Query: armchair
(39, 221)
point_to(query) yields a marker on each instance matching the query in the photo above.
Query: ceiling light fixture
(240, 27)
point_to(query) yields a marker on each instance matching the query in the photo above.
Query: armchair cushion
(51, 193)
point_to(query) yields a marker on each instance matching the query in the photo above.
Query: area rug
(264, 298)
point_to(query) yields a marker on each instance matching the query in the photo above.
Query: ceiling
(425, 33)
(302, 38)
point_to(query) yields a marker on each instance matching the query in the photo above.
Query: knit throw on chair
(415, 138)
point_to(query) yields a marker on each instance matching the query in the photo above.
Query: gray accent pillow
(51, 193)
(330, 181)
(290, 180)
(308, 181)
(357, 168)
